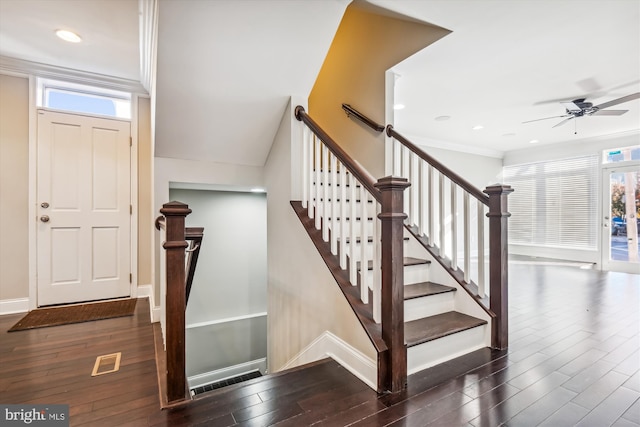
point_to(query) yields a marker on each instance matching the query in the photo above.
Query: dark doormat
(56, 316)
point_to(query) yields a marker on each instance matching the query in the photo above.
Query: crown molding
(148, 12)
(15, 66)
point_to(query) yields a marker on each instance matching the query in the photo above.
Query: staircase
(422, 297)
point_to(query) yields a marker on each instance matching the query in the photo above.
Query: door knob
(44, 205)
(44, 218)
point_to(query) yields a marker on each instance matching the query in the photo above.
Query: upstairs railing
(349, 206)
(463, 227)
(182, 248)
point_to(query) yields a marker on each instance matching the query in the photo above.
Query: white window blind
(555, 203)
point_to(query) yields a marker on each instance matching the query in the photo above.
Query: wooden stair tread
(438, 326)
(423, 289)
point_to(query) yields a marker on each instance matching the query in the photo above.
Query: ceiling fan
(580, 107)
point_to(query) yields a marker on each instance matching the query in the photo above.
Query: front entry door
(83, 207)
(621, 210)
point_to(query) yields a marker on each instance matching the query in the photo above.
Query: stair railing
(464, 228)
(341, 197)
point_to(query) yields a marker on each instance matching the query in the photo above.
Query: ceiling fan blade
(608, 113)
(564, 121)
(619, 101)
(547, 118)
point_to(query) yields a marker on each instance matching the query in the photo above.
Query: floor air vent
(229, 381)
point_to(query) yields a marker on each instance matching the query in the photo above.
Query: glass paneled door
(621, 217)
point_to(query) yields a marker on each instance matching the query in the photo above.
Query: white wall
(304, 300)
(226, 312)
(195, 174)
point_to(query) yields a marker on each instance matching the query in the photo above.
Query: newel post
(392, 370)
(175, 245)
(499, 263)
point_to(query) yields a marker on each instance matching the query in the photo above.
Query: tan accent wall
(365, 46)
(145, 191)
(14, 187)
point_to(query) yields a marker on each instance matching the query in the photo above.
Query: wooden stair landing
(438, 326)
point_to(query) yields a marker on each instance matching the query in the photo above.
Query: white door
(620, 240)
(83, 197)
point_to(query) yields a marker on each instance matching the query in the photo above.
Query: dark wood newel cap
(392, 183)
(498, 189)
(175, 209)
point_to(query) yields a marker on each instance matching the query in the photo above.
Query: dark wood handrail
(160, 223)
(355, 168)
(460, 181)
(191, 234)
(364, 119)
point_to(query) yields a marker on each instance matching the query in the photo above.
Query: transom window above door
(78, 98)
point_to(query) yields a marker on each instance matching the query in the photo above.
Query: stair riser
(417, 308)
(412, 273)
(434, 352)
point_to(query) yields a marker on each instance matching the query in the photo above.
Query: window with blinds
(555, 203)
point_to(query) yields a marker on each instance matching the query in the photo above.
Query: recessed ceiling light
(533, 141)
(68, 36)
(442, 118)
(478, 127)
(398, 106)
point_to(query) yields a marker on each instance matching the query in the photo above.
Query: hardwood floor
(574, 359)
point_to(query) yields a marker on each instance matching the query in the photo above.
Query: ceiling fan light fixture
(68, 36)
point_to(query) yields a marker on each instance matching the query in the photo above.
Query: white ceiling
(109, 29)
(223, 62)
(506, 62)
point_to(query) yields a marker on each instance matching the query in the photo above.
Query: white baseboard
(16, 305)
(329, 345)
(225, 373)
(146, 291)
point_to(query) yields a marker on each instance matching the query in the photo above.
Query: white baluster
(422, 199)
(441, 217)
(481, 280)
(352, 232)
(334, 205)
(325, 193)
(431, 221)
(305, 166)
(364, 242)
(377, 259)
(414, 189)
(343, 216)
(397, 158)
(454, 226)
(318, 180)
(406, 173)
(467, 238)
